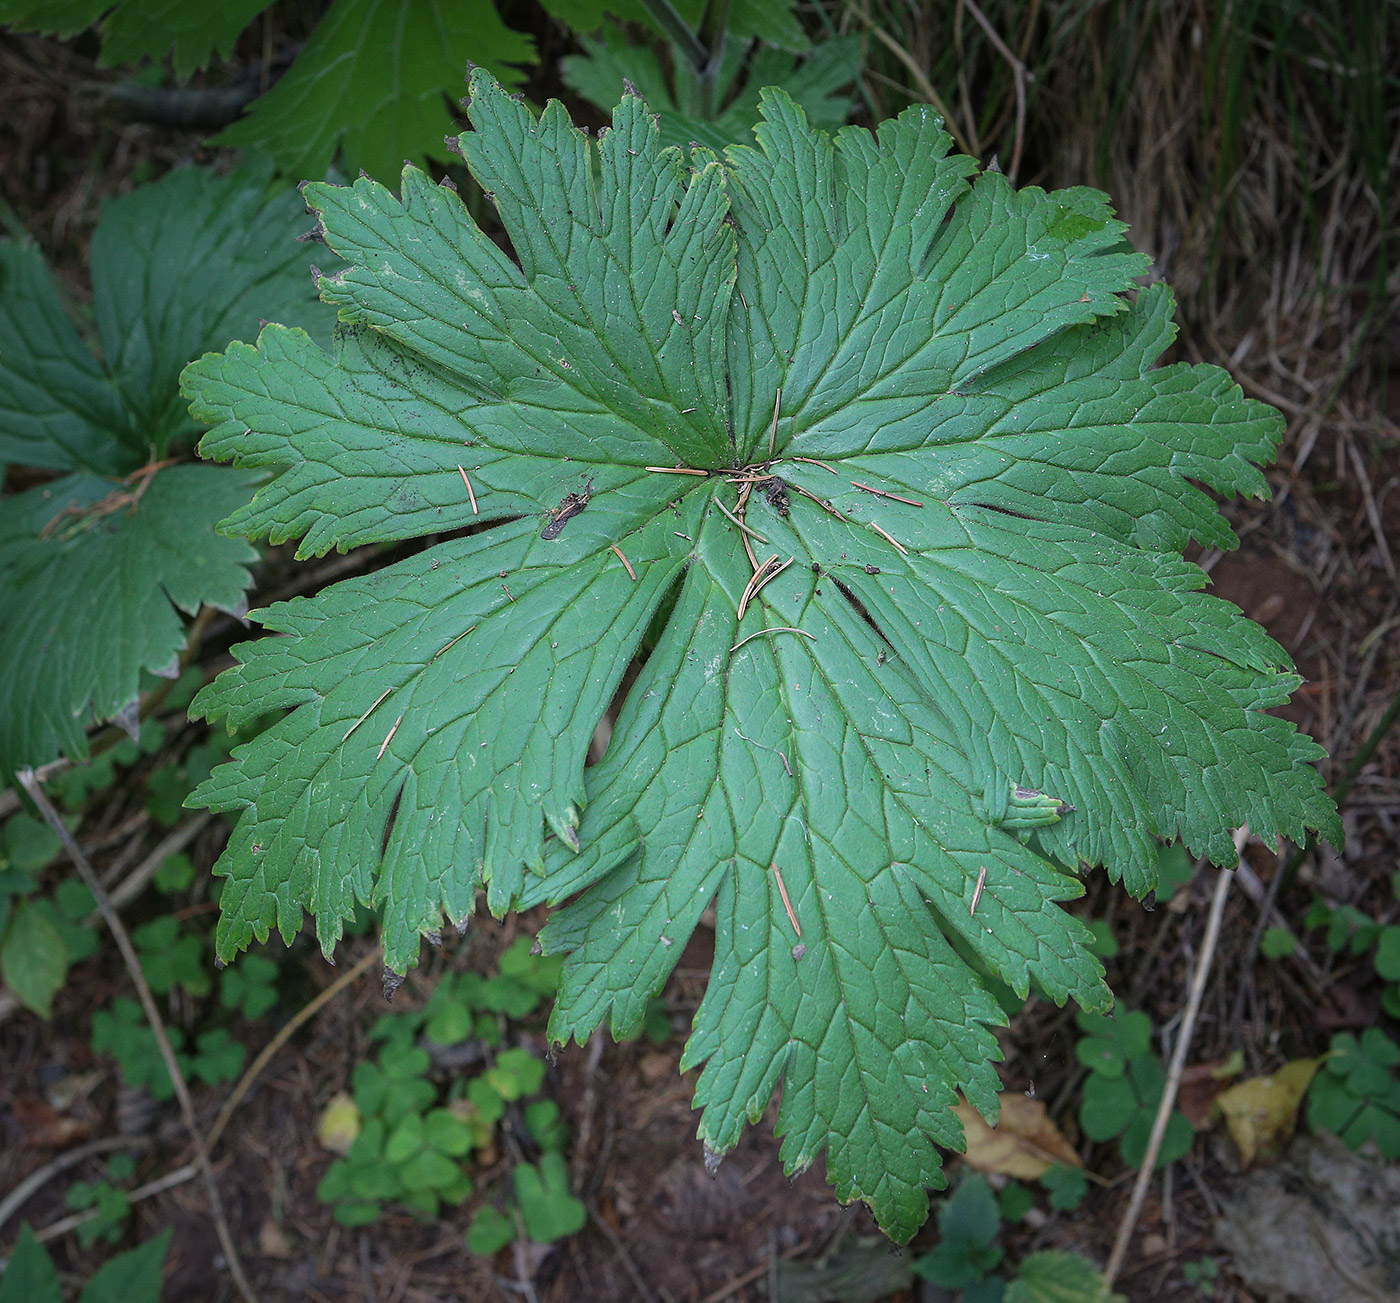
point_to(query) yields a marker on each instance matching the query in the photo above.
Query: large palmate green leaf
(94, 564)
(862, 469)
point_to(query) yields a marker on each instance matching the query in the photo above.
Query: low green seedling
(543, 1209)
(1124, 1087)
(1066, 1187)
(35, 947)
(968, 1254)
(1352, 930)
(1204, 1274)
(412, 1147)
(109, 1203)
(123, 1032)
(171, 957)
(131, 1277)
(1357, 1092)
(249, 986)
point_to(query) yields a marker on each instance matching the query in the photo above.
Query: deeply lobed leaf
(936, 397)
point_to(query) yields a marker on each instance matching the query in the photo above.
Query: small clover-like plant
(967, 1253)
(250, 986)
(856, 472)
(1357, 1093)
(122, 1031)
(1124, 1087)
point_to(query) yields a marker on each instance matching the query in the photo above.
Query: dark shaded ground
(1316, 567)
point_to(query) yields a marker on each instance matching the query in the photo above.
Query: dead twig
(1018, 77)
(1178, 1066)
(284, 1033)
(30, 783)
(159, 1186)
(36, 1181)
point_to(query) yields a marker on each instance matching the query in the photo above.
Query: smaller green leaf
(1110, 1042)
(544, 1123)
(1107, 1106)
(1066, 1187)
(1015, 1201)
(1175, 868)
(1176, 1140)
(517, 1073)
(171, 957)
(491, 1230)
(30, 1276)
(250, 986)
(449, 1025)
(375, 1180)
(133, 1277)
(1054, 1276)
(446, 1133)
(217, 1058)
(176, 872)
(357, 1214)
(1104, 944)
(428, 1170)
(550, 1212)
(33, 959)
(405, 1140)
(1277, 943)
(29, 844)
(1387, 958)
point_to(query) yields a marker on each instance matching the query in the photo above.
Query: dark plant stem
(664, 14)
(712, 33)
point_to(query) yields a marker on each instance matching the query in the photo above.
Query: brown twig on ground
(159, 1186)
(1178, 1066)
(35, 1181)
(284, 1034)
(30, 783)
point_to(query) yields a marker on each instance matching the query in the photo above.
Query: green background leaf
(374, 79)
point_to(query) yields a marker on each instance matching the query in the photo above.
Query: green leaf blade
(941, 628)
(370, 81)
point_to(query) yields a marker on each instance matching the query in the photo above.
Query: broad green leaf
(184, 265)
(1054, 1276)
(93, 576)
(131, 1277)
(58, 409)
(374, 80)
(30, 1276)
(936, 398)
(95, 566)
(194, 31)
(33, 958)
(179, 266)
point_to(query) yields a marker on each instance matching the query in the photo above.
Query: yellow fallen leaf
(1024, 1144)
(1261, 1112)
(339, 1124)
